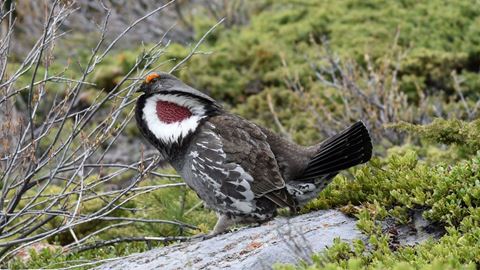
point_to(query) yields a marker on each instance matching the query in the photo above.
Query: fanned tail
(350, 147)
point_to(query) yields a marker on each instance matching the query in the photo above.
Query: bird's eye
(151, 77)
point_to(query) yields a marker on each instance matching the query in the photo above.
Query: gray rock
(283, 240)
(279, 241)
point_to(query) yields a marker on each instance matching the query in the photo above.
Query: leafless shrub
(64, 146)
(90, 13)
(236, 11)
(373, 95)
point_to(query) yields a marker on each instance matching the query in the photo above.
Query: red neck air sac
(169, 112)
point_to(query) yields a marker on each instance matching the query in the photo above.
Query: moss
(465, 135)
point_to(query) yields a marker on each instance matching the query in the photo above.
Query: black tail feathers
(350, 147)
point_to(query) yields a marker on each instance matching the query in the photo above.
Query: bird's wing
(241, 150)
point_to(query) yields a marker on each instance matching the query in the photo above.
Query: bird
(242, 171)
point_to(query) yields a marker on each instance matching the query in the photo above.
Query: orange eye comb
(151, 76)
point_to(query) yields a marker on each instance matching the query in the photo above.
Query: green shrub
(465, 135)
(440, 37)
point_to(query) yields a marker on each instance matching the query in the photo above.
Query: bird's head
(169, 110)
(164, 84)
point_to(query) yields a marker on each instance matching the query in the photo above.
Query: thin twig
(194, 49)
(99, 244)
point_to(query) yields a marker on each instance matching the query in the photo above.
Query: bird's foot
(254, 225)
(202, 237)
(235, 229)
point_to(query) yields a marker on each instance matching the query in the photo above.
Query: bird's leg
(222, 225)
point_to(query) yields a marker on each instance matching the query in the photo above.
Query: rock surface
(279, 241)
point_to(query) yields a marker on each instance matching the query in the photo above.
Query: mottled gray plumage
(242, 171)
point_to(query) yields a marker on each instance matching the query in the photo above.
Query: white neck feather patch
(172, 131)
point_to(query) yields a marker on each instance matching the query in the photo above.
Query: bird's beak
(141, 89)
